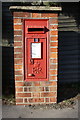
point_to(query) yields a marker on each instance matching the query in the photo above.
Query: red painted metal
(36, 69)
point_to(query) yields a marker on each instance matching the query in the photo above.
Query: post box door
(36, 49)
(36, 62)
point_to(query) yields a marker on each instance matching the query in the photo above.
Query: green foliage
(46, 3)
(51, 3)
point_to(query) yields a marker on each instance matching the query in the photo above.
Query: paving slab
(12, 111)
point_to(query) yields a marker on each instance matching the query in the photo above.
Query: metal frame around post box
(24, 50)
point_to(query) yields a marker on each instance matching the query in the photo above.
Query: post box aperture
(36, 49)
(35, 30)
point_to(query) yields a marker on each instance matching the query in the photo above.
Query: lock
(36, 49)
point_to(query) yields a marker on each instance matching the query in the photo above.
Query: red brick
(28, 83)
(18, 56)
(19, 84)
(36, 94)
(26, 100)
(54, 38)
(43, 83)
(32, 89)
(54, 32)
(18, 27)
(41, 88)
(17, 49)
(22, 104)
(18, 100)
(53, 21)
(18, 66)
(54, 60)
(18, 38)
(52, 99)
(48, 94)
(51, 83)
(37, 83)
(31, 100)
(53, 26)
(36, 15)
(17, 32)
(19, 72)
(40, 99)
(53, 50)
(54, 43)
(49, 15)
(16, 20)
(25, 89)
(53, 66)
(17, 44)
(53, 71)
(46, 88)
(23, 95)
(17, 61)
(19, 89)
(36, 89)
(53, 78)
(21, 14)
(53, 55)
(47, 99)
(53, 88)
(18, 78)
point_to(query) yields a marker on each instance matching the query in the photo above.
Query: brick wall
(35, 92)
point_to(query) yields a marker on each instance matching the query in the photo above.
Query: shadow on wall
(72, 9)
(7, 21)
(67, 65)
(68, 52)
(68, 56)
(7, 51)
(7, 27)
(67, 91)
(8, 70)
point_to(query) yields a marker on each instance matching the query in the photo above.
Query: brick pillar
(35, 92)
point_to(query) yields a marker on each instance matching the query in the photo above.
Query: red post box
(35, 54)
(36, 49)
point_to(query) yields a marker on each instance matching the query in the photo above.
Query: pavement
(12, 111)
(0, 109)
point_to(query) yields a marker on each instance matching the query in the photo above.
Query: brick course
(19, 100)
(19, 89)
(23, 94)
(54, 38)
(18, 78)
(17, 27)
(21, 14)
(18, 32)
(18, 38)
(49, 15)
(17, 20)
(36, 15)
